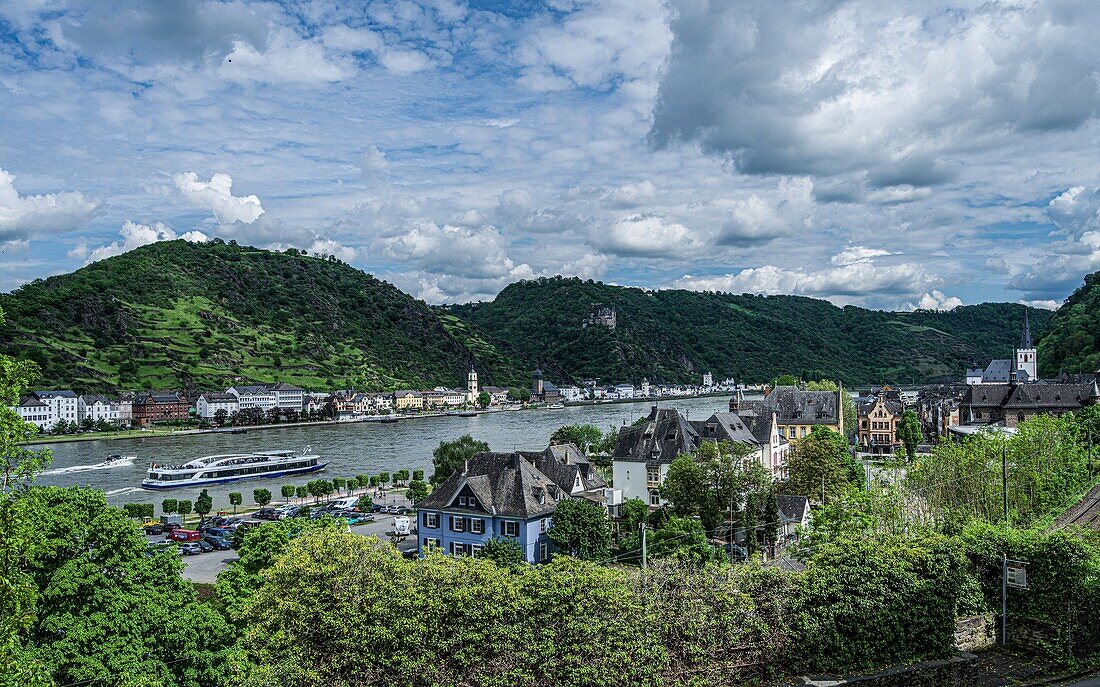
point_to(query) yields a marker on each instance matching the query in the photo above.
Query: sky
(889, 155)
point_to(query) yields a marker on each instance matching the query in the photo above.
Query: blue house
(495, 495)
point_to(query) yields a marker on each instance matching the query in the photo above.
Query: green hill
(676, 335)
(1071, 342)
(203, 316)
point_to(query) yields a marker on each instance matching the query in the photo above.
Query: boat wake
(105, 465)
(122, 491)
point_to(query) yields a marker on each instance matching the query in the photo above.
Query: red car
(184, 535)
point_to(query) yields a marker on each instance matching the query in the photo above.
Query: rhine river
(349, 449)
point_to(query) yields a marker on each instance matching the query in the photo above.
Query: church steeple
(1025, 341)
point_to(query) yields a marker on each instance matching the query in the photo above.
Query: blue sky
(923, 157)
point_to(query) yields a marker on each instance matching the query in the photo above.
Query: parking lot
(204, 567)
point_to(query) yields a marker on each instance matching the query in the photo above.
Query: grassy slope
(181, 315)
(676, 335)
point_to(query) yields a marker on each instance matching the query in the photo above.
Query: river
(349, 449)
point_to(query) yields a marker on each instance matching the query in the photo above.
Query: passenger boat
(231, 467)
(556, 406)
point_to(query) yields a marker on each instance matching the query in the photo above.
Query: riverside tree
(580, 528)
(203, 504)
(261, 496)
(450, 456)
(236, 499)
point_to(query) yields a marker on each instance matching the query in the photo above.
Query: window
(477, 525)
(430, 543)
(475, 549)
(431, 520)
(1019, 417)
(459, 549)
(654, 498)
(509, 528)
(462, 500)
(544, 551)
(542, 525)
(653, 475)
(457, 524)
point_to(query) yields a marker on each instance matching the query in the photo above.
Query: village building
(879, 413)
(207, 405)
(798, 411)
(159, 406)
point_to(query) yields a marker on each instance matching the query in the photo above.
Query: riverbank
(161, 432)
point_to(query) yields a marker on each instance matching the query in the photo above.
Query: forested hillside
(1071, 342)
(201, 316)
(677, 335)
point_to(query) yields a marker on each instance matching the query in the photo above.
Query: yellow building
(408, 400)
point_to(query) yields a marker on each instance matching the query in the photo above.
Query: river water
(349, 449)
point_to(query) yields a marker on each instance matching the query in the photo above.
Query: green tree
(169, 506)
(714, 483)
(301, 492)
(203, 504)
(587, 438)
(417, 491)
(634, 513)
(819, 465)
(581, 529)
(374, 480)
(748, 524)
(785, 380)
(183, 507)
(261, 496)
(484, 399)
(384, 478)
(909, 433)
(771, 517)
(133, 510)
(519, 393)
(362, 481)
(401, 476)
(504, 551)
(338, 483)
(364, 504)
(287, 492)
(450, 456)
(417, 475)
(236, 499)
(681, 539)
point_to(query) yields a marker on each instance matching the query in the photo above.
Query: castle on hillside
(600, 316)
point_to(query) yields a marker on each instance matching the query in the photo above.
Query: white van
(345, 503)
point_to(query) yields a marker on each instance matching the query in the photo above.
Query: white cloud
(286, 58)
(33, 216)
(645, 236)
(761, 218)
(135, 235)
(858, 281)
(854, 254)
(1045, 304)
(474, 253)
(936, 300)
(897, 94)
(403, 62)
(630, 196)
(322, 246)
(372, 163)
(217, 196)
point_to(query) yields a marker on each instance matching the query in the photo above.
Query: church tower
(471, 386)
(1026, 360)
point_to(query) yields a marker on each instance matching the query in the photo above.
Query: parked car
(206, 546)
(219, 532)
(376, 507)
(190, 548)
(184, 535)
(289, 512)
(154, 528)
(266, 514)
(219, 543)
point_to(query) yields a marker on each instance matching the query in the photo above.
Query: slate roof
(91, 399)
(1031, 396)
(284, 386)
(748, 428)
(219, 398)
(792, 404)
(563, 463)
(793, 508)
(663, 436)
(406, 393)
(54, 394)
(865, 404)
(505, 484)
(252, 389)
(32, 402)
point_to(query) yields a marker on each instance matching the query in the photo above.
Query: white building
(645, 387)
(381, 403)
(39, 414)
(287, 396)
(208, 405)
(624, 391)
(471, 386)
(96, 408)
(64, 405)
(571, 393)
(708, 380)
(254, 396)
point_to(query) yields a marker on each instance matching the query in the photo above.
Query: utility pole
(643, 548)
(731, 529)
(1088, 428)
(1004, 599)
(1004, 481)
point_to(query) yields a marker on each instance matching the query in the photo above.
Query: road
(1090, 681)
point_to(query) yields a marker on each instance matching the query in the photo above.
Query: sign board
(1016, 574)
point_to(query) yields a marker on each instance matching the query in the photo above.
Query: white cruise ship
(231, 467)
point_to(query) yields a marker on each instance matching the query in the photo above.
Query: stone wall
(976, 632)
(957, 671)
